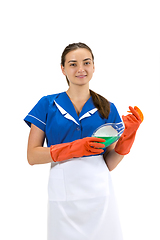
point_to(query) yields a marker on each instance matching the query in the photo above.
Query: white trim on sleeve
(36, 118)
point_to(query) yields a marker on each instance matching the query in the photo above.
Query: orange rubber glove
(78, 148)
(132, 123)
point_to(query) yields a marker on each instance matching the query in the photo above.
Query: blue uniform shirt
(57, 117)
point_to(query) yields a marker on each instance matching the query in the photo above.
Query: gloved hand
(132, 123)
(78, 148)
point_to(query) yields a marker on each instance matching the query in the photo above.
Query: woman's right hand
(78, 148)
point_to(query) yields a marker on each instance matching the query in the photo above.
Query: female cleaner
(81, 204)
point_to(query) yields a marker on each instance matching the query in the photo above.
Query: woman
(81, 199)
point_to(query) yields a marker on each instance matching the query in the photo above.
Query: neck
(78, 93)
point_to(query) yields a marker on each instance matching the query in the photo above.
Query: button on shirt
(57, 117)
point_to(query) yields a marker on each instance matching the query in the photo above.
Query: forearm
(112, 159)
(39, 155)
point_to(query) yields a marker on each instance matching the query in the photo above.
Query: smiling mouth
(81, 76)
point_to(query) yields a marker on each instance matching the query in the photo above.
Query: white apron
(82, 204)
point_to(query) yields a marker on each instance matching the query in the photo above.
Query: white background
(125, 39)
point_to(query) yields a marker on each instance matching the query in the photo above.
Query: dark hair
(101, 103)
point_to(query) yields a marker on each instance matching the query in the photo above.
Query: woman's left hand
(132, 122)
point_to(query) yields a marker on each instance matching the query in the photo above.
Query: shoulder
(114, 115)
(112, 108)
(49, 99)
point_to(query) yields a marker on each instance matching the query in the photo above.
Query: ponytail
(101, 103)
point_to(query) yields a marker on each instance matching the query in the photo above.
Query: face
(79, 67)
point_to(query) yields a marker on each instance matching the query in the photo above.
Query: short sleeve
(114, 117)
(38, 115)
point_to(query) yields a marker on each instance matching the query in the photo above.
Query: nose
(80, 69)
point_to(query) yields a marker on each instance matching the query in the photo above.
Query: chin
(83, 81)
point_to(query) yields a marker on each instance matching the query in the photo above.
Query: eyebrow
(83, 60)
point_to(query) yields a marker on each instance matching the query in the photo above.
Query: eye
(72, 64)
(86, 63)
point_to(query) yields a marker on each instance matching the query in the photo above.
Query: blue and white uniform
(82, 204)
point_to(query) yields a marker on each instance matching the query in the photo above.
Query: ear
(63, 70)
